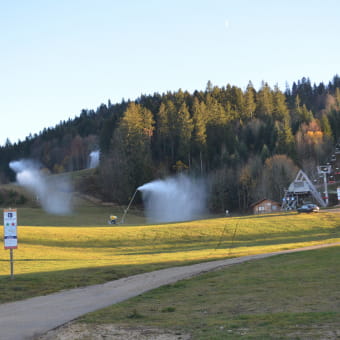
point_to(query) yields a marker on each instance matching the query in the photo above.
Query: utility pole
(324, 170)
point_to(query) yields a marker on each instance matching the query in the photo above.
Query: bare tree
(278, 172)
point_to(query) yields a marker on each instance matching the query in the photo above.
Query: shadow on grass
(35, 284)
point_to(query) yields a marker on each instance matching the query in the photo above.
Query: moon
(226, 23)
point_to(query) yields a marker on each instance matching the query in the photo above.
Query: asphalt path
(35, 316)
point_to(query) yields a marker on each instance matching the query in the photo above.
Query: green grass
(86, 210)
(84, 214)
(286, 296)
(293, 296)
(54, 258)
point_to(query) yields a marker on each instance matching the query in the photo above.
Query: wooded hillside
(248, 144)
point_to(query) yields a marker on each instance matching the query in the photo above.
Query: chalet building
(265, 206)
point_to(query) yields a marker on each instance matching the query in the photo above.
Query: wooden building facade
(265, 206)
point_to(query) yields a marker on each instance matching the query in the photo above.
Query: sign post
(10, 234)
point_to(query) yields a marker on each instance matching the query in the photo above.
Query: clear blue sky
(60, 56)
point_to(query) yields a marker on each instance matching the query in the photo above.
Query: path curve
(35, 316)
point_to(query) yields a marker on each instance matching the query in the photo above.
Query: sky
(58, 57)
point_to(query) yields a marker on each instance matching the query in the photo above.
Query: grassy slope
(84, 213)
(293, 296)
(54, 258)
(290, 296)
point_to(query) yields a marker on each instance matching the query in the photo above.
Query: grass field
(293, 296)
(86, 214)
(53, 258)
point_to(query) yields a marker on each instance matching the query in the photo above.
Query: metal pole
(126, 210)
(11, 263)
(326, 187)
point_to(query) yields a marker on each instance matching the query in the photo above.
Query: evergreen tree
(237, 102)
(162, 130)
(249, 101)
(264, 105)
(136, 129)
(280, 109)
(219, 127)
(337, 98)
(216, 119)
(172, 131)
(325, 126)
(285, 139)
(185, 128)
(300, 115)
(199, 129)
(209, 87)
(215, 114)
(334, 121)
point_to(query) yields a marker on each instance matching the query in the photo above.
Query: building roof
(264, 199)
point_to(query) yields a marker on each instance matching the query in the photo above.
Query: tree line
(248, 144)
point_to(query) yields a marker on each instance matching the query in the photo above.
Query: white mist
(53, 193)
(178, 198)
(94, 159)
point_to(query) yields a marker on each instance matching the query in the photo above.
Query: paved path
(25, 319)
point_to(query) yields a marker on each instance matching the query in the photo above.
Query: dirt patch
(81, 331)
(325, 332)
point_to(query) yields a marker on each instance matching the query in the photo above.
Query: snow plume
(94, 159)
(52, 192)
(178, 198)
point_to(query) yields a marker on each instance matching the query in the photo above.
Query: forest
(247, 144)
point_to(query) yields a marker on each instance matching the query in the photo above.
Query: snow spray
(178, 198)
(94, 159)
(53, 193)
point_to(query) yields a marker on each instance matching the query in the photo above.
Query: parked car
(308, 208)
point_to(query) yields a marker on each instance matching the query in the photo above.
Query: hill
(247, 143)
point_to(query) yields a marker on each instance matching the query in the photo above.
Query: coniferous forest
(247, 144)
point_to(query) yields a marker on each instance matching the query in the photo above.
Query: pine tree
(249, 101)
(136, 129)
(185, 128)
(264, 102)
(216, 129)
(325, 126)
(280, 109)
(300, 115)
(199, 129)
(216, 115)
(285, 139)
(337, 98)
(162, 130)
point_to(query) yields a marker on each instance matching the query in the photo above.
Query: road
(35, 316)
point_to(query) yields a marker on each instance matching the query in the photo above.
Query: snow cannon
(113, 219)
